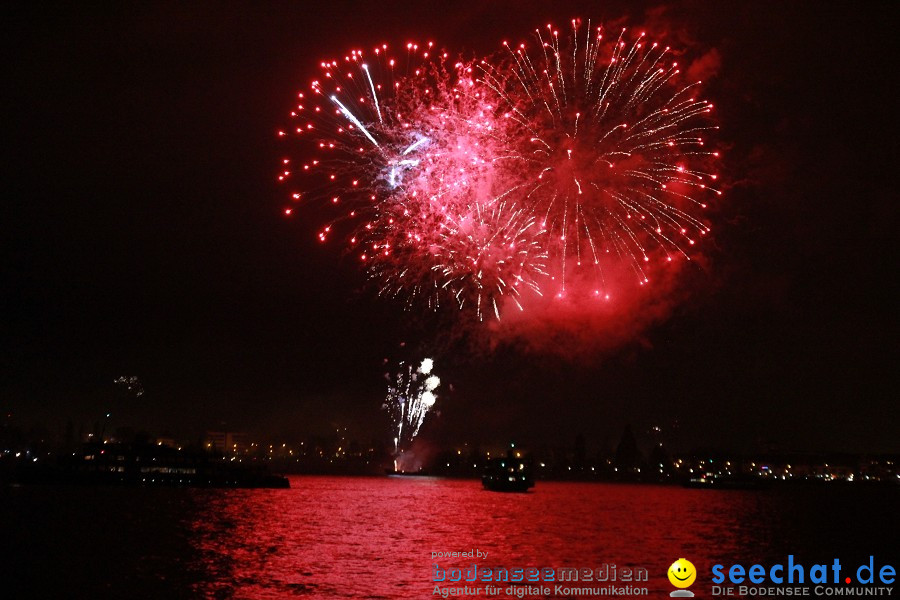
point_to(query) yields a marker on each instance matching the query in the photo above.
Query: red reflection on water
(373, 537)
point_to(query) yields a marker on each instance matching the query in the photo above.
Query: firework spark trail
(611, 149)
(411, 395)
(473, 183)
(131, 383)
(410, 160)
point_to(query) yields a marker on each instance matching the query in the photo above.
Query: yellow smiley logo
(682, 573)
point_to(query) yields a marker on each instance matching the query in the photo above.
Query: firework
(608, 144)
(411, 395)
(472, 183)
(131, 383)
(405, 155)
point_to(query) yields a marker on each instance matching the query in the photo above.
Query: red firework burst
(475, 183)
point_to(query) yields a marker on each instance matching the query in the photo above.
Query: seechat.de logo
(682, 574)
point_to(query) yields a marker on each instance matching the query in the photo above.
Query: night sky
(143, 235)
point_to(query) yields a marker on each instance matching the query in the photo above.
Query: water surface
(336, 537)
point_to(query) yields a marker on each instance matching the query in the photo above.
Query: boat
(419, 473)
(511, 473)
(400, 468)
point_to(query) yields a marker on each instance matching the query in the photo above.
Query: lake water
(335, 537)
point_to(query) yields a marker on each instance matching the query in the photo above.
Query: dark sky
(142, 234)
